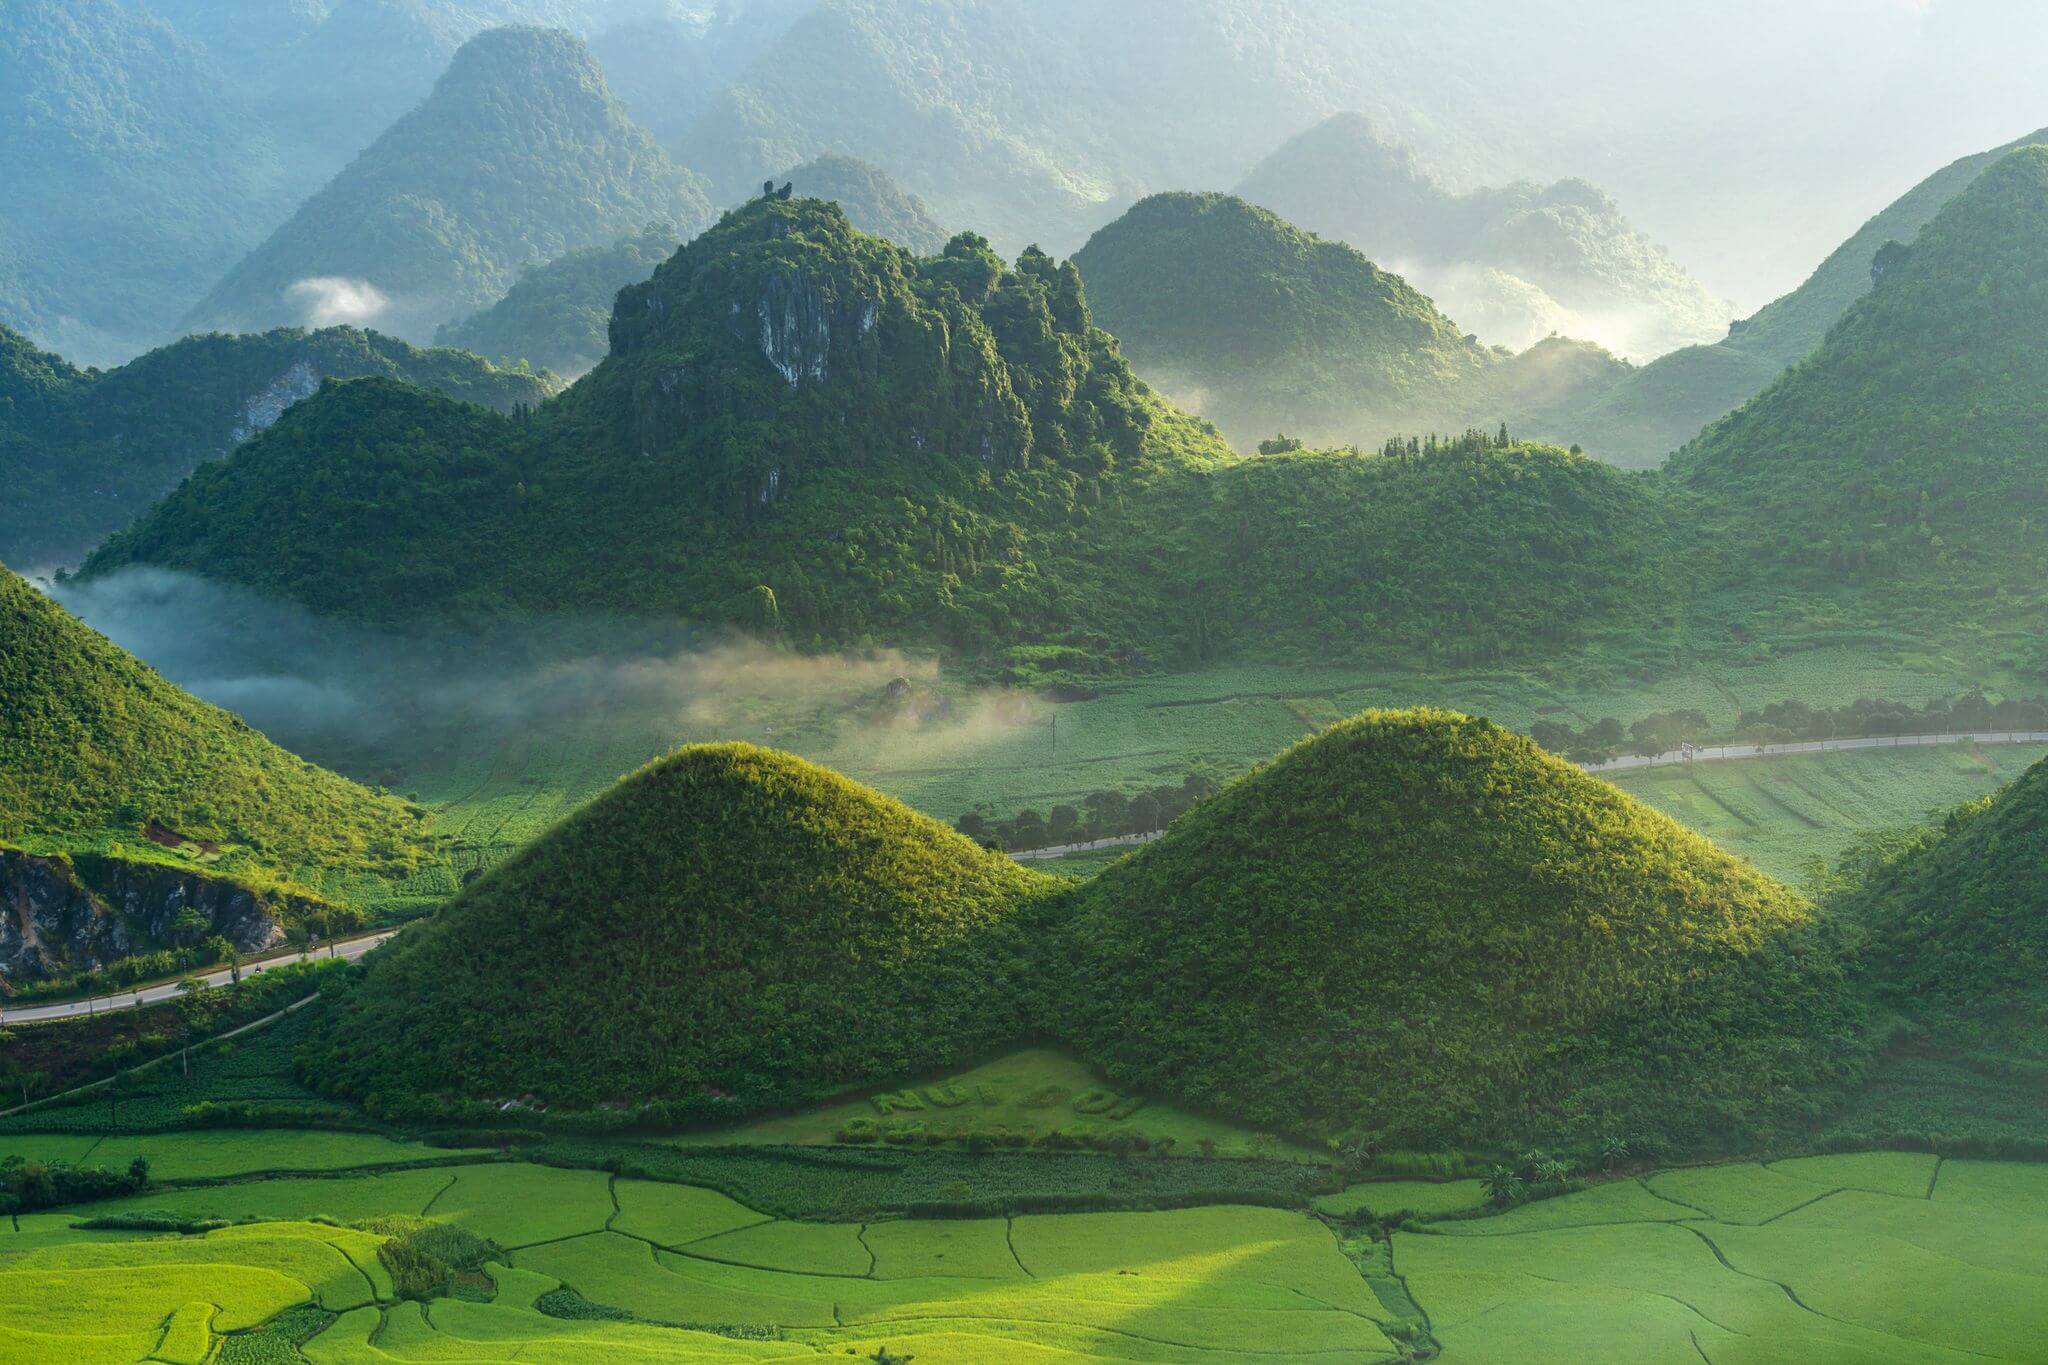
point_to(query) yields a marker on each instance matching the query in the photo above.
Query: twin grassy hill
(518, 156)
(748, 928)
(1514, 263)
(1421, 925)
(1415, 925)
(807, 431)
(99, 748)
(1903, 460)
(1263, 327)
(1958, 922)
(82, 453)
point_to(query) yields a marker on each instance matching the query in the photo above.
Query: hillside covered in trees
(1262, 327)
(807, 432)
(1901, 463)
(83, 452)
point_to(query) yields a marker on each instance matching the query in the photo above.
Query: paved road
(347, 950)
(1725, 753)
(1716, 753)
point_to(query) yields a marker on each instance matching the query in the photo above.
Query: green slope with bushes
(809, 433)
(84, 452)
(1423, 928)
(725, 929)
(99, 750)
(1654, 410)
(558, 315)
(519, 155)
(1957, 920)
(1901, 464)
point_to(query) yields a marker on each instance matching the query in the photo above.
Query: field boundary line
(252, 1026)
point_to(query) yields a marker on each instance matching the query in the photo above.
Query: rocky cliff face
(59, 916)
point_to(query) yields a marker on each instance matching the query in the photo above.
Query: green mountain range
(1513, 263)
(806, 431)
(519, 155)
(1901, 462)
(133, 175)
(1262, 327)
(83, 452)
(759, 930)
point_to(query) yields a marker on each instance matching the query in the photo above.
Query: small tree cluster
(1101, 815)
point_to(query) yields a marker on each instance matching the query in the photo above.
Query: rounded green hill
(1958, 922)
(1419, 926)
(727, 928)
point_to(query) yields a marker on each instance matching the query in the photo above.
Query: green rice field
(1878, 1258)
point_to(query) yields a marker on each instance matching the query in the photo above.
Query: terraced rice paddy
(1884, 1257)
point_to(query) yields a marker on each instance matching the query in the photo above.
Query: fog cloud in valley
(362, 699)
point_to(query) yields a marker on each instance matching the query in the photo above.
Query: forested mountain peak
(519, 155)
(1514, 262)
(1909, 446)
(1258, 324)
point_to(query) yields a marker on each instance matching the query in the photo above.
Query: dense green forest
(809, 433)
(558, 316)
(1421, 924)
(519, 155)
(84, 452)
(133, 174)
(753, 929)
(101, 749)
(873, 201)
